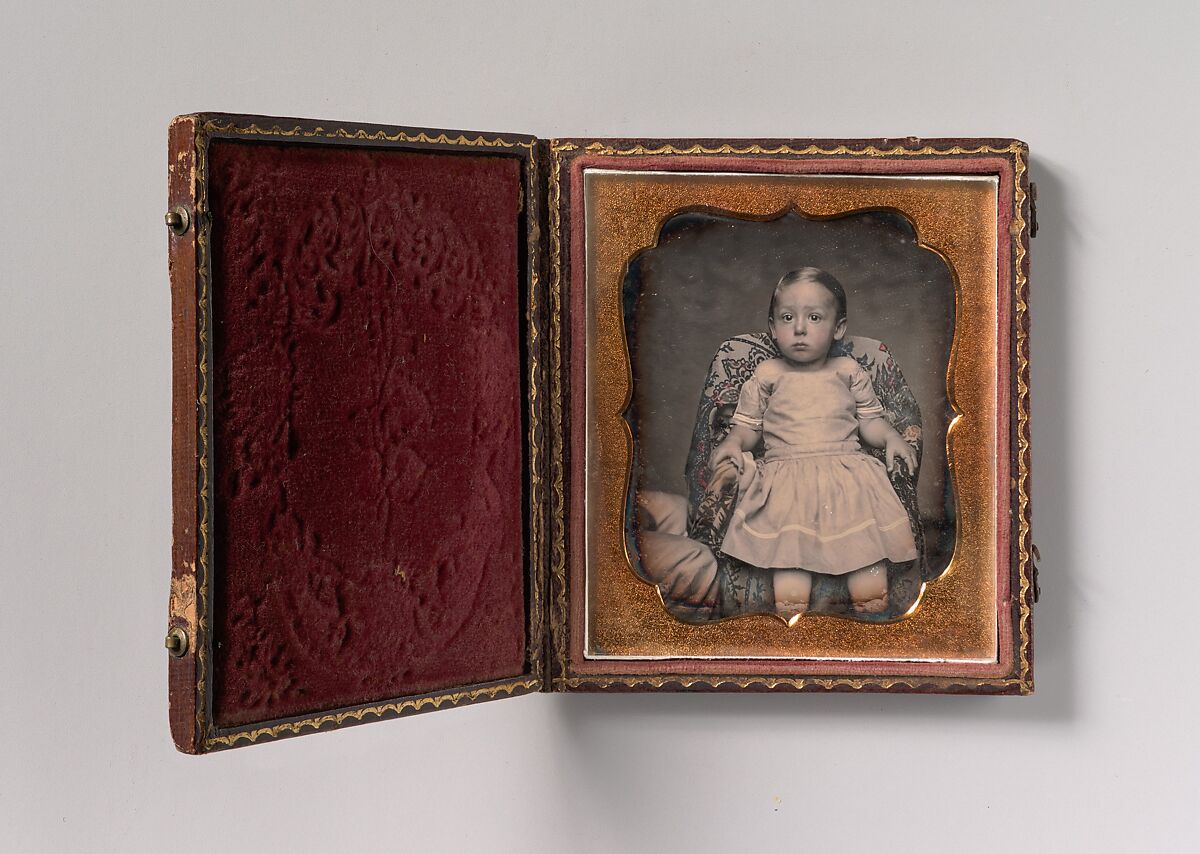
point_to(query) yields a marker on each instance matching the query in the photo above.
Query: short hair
(811, 274)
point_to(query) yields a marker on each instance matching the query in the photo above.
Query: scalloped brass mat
(956, 618)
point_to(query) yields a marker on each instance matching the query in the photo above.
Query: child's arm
(741, 438)
(874, 428)
(878, 433)
(746, 424)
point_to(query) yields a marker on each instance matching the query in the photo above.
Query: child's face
(805, 323)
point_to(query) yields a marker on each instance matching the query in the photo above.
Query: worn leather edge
(182, 607)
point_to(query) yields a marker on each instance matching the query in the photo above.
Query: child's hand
(898, 451)
(726, 452)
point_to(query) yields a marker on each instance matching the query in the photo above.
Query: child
(815, 502)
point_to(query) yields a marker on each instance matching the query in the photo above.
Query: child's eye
(786, 318)
(815, 318)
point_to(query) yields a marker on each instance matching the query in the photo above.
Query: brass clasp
(177, 642)
(178, 220)
(1037, 587)
(1033, 223)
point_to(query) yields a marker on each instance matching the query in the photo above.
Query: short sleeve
(866, 403)
(752, 401)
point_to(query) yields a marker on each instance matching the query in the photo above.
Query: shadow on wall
(710, 277)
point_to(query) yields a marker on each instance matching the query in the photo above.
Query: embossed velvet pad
(368, 441)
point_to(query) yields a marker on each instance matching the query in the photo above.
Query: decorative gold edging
(1020, 287)
(558, 542)
(416, 704)
(212, 126)
(535, 619)
(205, 730)
(688, 681)
(203, 637)
(601, 148)
(560, 613)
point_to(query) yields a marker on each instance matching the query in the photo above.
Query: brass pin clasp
(1037, 557)
(178, 220)
(177, 642)
(1033, 223)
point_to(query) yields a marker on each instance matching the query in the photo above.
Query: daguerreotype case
(461, 416)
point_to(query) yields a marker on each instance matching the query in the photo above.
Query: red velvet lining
(367, 432)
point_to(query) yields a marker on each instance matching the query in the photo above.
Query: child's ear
(839, 330)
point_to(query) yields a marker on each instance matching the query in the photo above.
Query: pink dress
(815, 500)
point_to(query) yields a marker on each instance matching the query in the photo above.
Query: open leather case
(424, 379)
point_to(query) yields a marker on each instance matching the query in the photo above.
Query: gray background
(1103, 757)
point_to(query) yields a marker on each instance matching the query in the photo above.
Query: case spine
(183, 606)
(539, 258)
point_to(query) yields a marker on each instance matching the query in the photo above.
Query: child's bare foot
(792, 590)
(868, 589)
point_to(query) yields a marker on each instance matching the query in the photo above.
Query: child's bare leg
(868, 588)
(792, 589)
